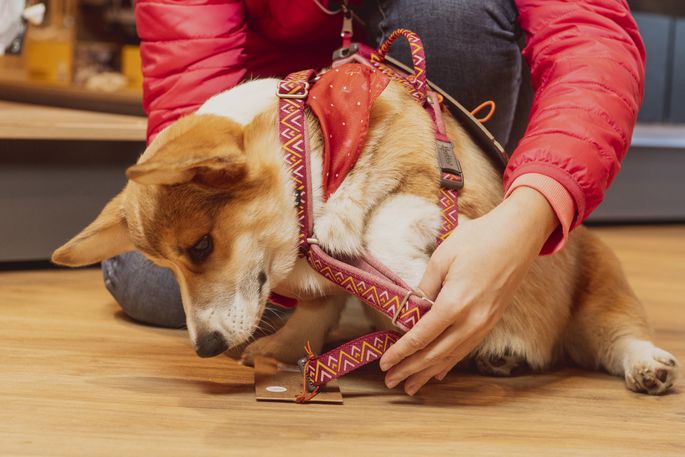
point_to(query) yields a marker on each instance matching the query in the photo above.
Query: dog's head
(205, 201)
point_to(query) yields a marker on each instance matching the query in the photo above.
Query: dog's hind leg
(310, 323)
(609, 330)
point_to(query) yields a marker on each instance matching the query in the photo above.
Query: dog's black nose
(210, 345)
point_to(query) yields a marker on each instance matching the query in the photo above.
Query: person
(576, 99)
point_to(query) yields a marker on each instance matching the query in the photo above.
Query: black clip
(449, 164)
(344, 53)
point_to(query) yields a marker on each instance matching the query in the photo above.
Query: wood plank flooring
(79, 379)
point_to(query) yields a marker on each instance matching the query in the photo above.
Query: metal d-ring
(417, 293)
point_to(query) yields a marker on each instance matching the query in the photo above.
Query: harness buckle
(300, 94)
(449, 164)
(405, 300)
(302, 365)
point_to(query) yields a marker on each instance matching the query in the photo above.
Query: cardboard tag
(274, 381)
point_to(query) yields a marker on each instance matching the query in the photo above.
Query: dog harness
(365, 277)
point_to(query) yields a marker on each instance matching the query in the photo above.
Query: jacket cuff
(559, 199)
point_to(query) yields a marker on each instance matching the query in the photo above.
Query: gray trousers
(472, 51)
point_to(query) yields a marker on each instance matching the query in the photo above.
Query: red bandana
(342, 101)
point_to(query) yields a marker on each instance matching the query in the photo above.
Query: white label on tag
(276, 389)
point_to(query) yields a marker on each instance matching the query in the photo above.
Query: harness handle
(418, 57)
(486, 104)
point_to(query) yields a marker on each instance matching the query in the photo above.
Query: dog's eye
(261, 277)
(201, 250)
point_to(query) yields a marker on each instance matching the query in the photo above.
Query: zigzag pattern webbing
(349, 357)
(416, 82)
(448, 208)
(292, 132)
(381, 298)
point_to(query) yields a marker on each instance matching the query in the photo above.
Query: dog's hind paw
(650, 370)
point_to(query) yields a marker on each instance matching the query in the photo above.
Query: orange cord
(480, 107)
(305, 396)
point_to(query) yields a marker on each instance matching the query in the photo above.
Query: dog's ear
(221, 171)
(201, 148)
(105, 237)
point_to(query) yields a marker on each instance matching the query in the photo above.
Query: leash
(366, 278)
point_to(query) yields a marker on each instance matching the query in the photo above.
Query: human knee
(457, 18)
(144, 291)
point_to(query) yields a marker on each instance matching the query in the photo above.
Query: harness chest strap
(292, 131)
(368, 280)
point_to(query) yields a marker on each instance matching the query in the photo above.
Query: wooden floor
(79, 379)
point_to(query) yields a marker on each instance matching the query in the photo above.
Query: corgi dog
(211, 199)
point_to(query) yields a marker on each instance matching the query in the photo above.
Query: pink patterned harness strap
(415, 83)
(366, 278)
(292, 129)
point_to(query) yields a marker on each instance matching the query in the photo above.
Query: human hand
(472, 275)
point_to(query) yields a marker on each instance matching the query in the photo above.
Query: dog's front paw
(273, 347)
(651, 370)
(340, 233)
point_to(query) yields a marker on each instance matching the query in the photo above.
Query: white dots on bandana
(331, 86)
(358, 103)
(343, 123)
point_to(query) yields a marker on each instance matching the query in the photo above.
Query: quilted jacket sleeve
(587, 64)
(190, 50)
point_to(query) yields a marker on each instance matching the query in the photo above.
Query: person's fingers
(418, 380)
(439, 370)
(452, 361)
(419, 361)
(432, 279)
(440, 376)
(426, 330)
(455, 344)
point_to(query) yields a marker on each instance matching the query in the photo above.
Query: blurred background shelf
(651, 184)
(17, 87)
(19, 121)
(668, 136)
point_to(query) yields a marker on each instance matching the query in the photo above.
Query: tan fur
(206, 174)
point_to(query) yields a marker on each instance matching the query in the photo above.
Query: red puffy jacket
(586, 59)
